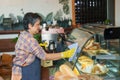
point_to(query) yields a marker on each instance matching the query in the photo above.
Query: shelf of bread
(83, 65)
(93, 48)
(93, 59)
(87, 65)
(66, 73)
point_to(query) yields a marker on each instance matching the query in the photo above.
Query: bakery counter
(97, 56)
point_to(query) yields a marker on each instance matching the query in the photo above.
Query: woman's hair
(30, 18)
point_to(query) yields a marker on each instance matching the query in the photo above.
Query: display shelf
(110, 60)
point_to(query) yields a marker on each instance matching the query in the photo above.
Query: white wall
(41, 6)
(8, 36)
(117, 12)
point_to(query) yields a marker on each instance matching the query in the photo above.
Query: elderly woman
(26, 64)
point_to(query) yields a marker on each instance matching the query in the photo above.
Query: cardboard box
(46, 63)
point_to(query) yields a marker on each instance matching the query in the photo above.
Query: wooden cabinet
(6, 45)
(44, 73)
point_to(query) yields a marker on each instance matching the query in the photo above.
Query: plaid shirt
(26, 49)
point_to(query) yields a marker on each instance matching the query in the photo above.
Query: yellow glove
(44, 44)
(68, 53)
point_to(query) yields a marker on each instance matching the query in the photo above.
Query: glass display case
(97, 55)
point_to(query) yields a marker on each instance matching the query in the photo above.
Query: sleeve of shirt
(37, 50)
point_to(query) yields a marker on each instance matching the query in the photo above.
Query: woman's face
(34, 29)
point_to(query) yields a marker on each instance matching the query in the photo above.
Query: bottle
(54, 22)
(51, 46)
(44, 25)
(70, 22)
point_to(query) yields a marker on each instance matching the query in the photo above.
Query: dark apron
(32, 71)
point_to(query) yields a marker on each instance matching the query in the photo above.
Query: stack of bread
(94, 48)
(66, 73)
(88, 66)
(92, 45)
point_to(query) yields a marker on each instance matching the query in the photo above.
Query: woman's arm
(56, 56)
(53, 56)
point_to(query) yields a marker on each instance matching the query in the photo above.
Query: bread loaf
(96, 70)
(65, 73)
(89, 43)
(66, 70)
(60, 76)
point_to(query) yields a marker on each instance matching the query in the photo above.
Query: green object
(63, 2)
(107, 21)
(66, 9)
(58, 15)
(15, 40)
(38, 37)
(49, 17)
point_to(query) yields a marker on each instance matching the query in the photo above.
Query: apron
(32, 71)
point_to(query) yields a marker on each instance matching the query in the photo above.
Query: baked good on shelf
(65, 73)
(92, 45)
(83, 57)
(87, 65)
(99, 69)
(94, 69)
(89, 43)
(98, 51)
(85, 60)
(94, 48)
(76, 71)
(61, 76)
(89, 77)
(66, 70)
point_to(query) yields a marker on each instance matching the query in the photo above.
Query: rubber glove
(44, 44)
(68, 53)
